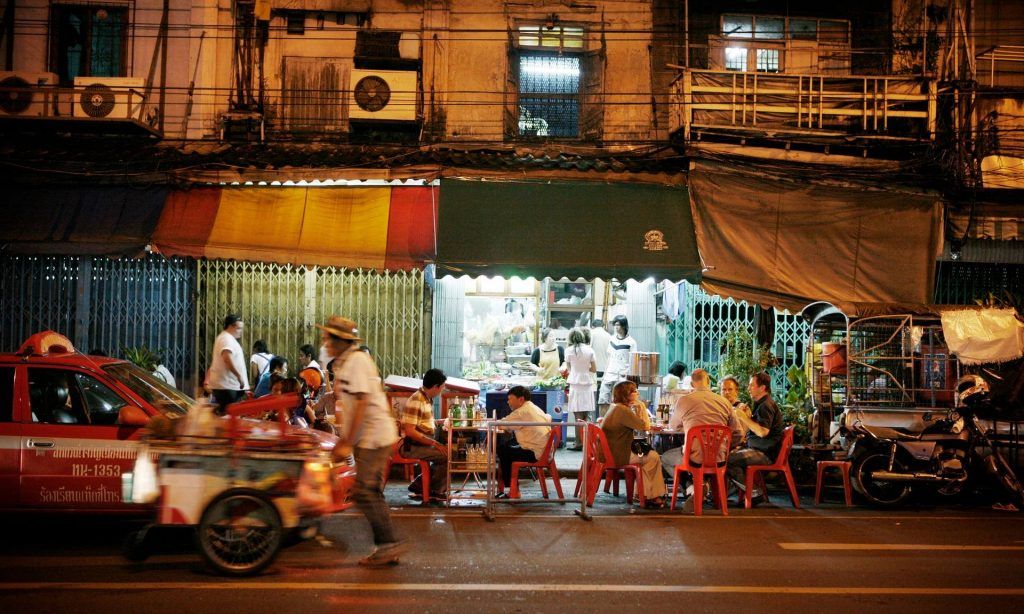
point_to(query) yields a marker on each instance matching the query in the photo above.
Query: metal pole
(686, 33)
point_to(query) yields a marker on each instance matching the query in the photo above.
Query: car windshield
(152, 389)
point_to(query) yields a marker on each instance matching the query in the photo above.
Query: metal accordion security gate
(102, 303)
(280, 304)
(695, 337)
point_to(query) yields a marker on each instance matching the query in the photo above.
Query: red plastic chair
(546, 462)
(712, 438)
(781, 465)
(396, 458)
(609, 472)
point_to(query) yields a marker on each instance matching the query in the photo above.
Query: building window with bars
(555, 83)
(735, 58)
(767, 60)
(549, 95)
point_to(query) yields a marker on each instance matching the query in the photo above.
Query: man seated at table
(530, 440)
(417, 426)
(700, 408)
(764, 433)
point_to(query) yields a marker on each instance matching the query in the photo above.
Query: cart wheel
(135, 548)
(240, 533)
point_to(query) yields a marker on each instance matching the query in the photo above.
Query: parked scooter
(888, 464)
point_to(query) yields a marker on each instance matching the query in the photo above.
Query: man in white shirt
(599, 339)
(620, 346)
(531, 439)
(226, 378)
(368, 431)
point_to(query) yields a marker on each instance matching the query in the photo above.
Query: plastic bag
(144, 486)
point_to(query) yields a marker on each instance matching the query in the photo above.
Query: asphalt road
(544, 559)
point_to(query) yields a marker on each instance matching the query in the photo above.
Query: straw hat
(343, 328)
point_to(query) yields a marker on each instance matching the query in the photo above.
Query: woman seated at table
(628, 414)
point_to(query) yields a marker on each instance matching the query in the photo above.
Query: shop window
(735, 58)
(88, 41)
(296, 22)
(767, 60)
(549, 95)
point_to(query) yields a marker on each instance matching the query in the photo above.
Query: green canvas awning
(566, 229)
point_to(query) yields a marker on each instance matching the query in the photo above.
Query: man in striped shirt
(419, 431)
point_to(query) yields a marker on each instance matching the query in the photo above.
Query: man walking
(368, 431)
(419, 431)
(226, 377)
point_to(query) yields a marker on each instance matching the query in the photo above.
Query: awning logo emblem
(654, 241)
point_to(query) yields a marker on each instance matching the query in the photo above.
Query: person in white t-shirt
(226, 378)
(368, 431)
(620, 346)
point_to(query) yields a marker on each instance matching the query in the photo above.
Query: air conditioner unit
(23, 93)
(109, 97)
(383, 95)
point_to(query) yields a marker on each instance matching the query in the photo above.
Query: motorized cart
(248, 489)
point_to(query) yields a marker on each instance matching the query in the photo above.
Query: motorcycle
(889, 464)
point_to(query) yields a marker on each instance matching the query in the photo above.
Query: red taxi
(70, 424)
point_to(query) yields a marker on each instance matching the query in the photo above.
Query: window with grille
(89, 41)
(549, 95)
(767, 60)
(735, 58)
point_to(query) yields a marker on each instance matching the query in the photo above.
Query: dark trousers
(369, 492)
(512, 453)
(222, 398)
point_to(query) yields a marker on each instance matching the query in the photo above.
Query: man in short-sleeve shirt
(369, 433)
(764, 436)
(226, 378)
(417, 425)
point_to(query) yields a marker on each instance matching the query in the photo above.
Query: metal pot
(644, 367)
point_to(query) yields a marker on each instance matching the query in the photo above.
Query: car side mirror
(132, 416)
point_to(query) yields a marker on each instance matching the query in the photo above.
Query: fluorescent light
(549, 70)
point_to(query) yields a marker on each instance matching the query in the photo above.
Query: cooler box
(553, 403)
(400, 383)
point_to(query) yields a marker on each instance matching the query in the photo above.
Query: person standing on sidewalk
(580, 363)
(369, 432)
(226, 378)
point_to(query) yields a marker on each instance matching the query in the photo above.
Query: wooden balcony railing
(800, 104)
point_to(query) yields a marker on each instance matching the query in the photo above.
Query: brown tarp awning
(80, 221)
(775, 242)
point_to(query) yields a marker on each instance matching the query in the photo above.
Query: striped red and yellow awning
(358, 227)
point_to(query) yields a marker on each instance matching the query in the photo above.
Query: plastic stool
(844, 471)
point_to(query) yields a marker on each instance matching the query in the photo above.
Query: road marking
(477, 515)
(339, 587)
(956, 547)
